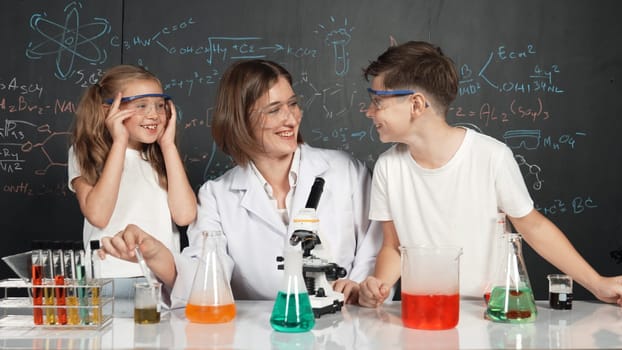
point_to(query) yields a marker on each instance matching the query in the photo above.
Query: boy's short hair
(418, 65)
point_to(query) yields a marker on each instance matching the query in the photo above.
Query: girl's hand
(115, 121)
(168, 136)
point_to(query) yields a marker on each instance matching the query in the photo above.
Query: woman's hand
(349, 288)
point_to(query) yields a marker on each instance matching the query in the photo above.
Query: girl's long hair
(90, 138)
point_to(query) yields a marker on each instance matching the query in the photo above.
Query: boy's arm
(375, 289)
(551, 243)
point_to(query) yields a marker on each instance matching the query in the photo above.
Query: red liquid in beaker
(430, 311)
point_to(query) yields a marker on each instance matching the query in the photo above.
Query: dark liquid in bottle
(560, 301)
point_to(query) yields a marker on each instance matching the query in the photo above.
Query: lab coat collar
(312, 164)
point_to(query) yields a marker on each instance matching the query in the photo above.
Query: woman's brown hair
(241, 86)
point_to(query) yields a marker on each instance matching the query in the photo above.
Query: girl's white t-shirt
(142, 202)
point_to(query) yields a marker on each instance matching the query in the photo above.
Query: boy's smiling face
(391, 114)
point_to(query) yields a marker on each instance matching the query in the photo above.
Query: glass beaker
(511, 299)
(211, 299)
(430, 287)
(560, 291)
(292, 311)
(147, 302)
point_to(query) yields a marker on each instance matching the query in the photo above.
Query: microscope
(317, 271)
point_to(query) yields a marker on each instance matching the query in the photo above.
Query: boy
(444, 185)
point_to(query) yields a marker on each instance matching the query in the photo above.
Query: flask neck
(293, 262)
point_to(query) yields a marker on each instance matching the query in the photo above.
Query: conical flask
(211, 299)
(499, 247)
(292, 310)
(511, 299)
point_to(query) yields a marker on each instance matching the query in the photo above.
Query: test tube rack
(94, 307)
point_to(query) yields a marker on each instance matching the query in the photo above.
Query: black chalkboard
(544, 77)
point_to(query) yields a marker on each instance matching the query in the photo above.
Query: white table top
(587, 325)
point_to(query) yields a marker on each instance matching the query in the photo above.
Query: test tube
(48, 292)
(81, 281)
(70, 279)
(95, 316)
(59, 280)
(37, 280)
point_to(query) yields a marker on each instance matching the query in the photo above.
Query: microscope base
(322, 306)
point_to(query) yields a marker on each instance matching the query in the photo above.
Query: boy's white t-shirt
(142, 202)
(456, 204)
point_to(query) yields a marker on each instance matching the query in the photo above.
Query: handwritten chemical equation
(488, 113)
(342, 134)
(24, 89)
(336, 37)
(21, 104)
(37, 189)
(225, 47)
(189, 82)
(574, 206)
(541, 79)
(533, 139)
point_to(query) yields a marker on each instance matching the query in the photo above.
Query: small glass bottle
(211, 299)
(511, 299)
(292, 311)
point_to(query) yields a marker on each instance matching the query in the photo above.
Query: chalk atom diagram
(68, 41)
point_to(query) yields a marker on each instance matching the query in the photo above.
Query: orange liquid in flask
(210, 313)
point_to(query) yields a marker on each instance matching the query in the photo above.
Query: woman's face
(279, 119)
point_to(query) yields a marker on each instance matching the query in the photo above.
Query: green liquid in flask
(520, 308)
(292, 313)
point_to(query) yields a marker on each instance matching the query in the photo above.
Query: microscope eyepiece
(316, 193)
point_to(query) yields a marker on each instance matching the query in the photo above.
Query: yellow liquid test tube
(73, 317)
(95, 306)
(48, 300)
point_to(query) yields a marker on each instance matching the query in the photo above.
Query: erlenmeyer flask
(211, 300)
(292, 310)
(499, 246)
(511, 299)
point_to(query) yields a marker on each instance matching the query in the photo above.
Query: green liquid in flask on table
(521, 307)
(292, 313)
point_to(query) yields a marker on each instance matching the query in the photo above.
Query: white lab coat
(237, 204)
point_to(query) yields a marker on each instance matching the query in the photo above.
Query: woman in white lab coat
(256, 121)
